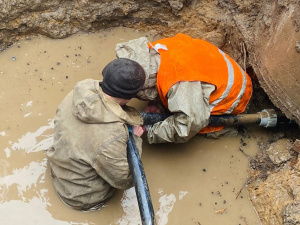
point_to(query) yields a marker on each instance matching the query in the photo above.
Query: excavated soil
(262, 36)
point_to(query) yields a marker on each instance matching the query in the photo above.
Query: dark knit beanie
(123, 78)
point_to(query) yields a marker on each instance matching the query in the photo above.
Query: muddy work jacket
(88, 159)
(190, 98)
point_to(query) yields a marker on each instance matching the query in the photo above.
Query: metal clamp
(268, 118)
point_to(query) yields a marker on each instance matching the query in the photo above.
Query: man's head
(123, 78)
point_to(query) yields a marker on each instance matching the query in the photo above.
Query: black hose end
(152, 118)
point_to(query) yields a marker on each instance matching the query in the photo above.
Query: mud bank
(262, 36)
(274, 184)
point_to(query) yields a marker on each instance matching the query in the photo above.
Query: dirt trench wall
(262, 36)
(215, 21)
(60, 18)
(219, 22)
(274, 186)
(275, 54)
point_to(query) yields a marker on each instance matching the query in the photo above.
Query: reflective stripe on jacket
(186, 59)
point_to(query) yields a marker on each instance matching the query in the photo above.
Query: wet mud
(273, 182)
(199, 182)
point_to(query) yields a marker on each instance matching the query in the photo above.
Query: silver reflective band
(241, 94)
(160, 46)
(229, 83)
(270, 120)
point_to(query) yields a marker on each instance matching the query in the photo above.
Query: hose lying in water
(140, 182)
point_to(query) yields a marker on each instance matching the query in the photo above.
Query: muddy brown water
(193, 183)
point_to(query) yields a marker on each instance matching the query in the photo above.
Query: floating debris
(297, 46)
(13, 58)
(221, 211)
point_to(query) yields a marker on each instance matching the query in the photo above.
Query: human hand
(138, 130)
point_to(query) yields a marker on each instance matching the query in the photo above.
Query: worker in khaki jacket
(88, 159)
(193, 79)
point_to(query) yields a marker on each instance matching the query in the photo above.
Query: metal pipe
(265, 118)
(140, 183)
(234, 119)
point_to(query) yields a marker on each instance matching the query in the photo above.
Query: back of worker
(88, 158)
(186, 59)
(193, 79)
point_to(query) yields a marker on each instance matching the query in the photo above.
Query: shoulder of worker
(138, 50)
(90, 105)
(133, 48)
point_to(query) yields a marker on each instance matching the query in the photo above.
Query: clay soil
(262, 36)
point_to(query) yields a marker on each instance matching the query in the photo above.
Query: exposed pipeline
(265, 118)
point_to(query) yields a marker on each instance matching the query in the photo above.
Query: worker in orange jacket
(193, 79)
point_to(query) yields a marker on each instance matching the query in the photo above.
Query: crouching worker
(88, 159)
(193, 79)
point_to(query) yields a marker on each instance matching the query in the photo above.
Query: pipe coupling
(268, 118)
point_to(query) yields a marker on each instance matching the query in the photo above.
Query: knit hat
(123, 78)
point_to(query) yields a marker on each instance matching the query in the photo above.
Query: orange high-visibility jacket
(186, 59)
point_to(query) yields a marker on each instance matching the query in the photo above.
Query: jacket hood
(90, 105)
(138, 50)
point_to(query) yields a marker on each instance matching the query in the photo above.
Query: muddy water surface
(199, 182)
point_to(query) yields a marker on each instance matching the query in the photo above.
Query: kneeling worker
(88, 159)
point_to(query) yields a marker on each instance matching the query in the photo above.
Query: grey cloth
(188, 101)
(149, 59)
(189, 104)
(88, 158)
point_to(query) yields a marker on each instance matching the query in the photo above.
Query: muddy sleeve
(111, 161)
(189, 104)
